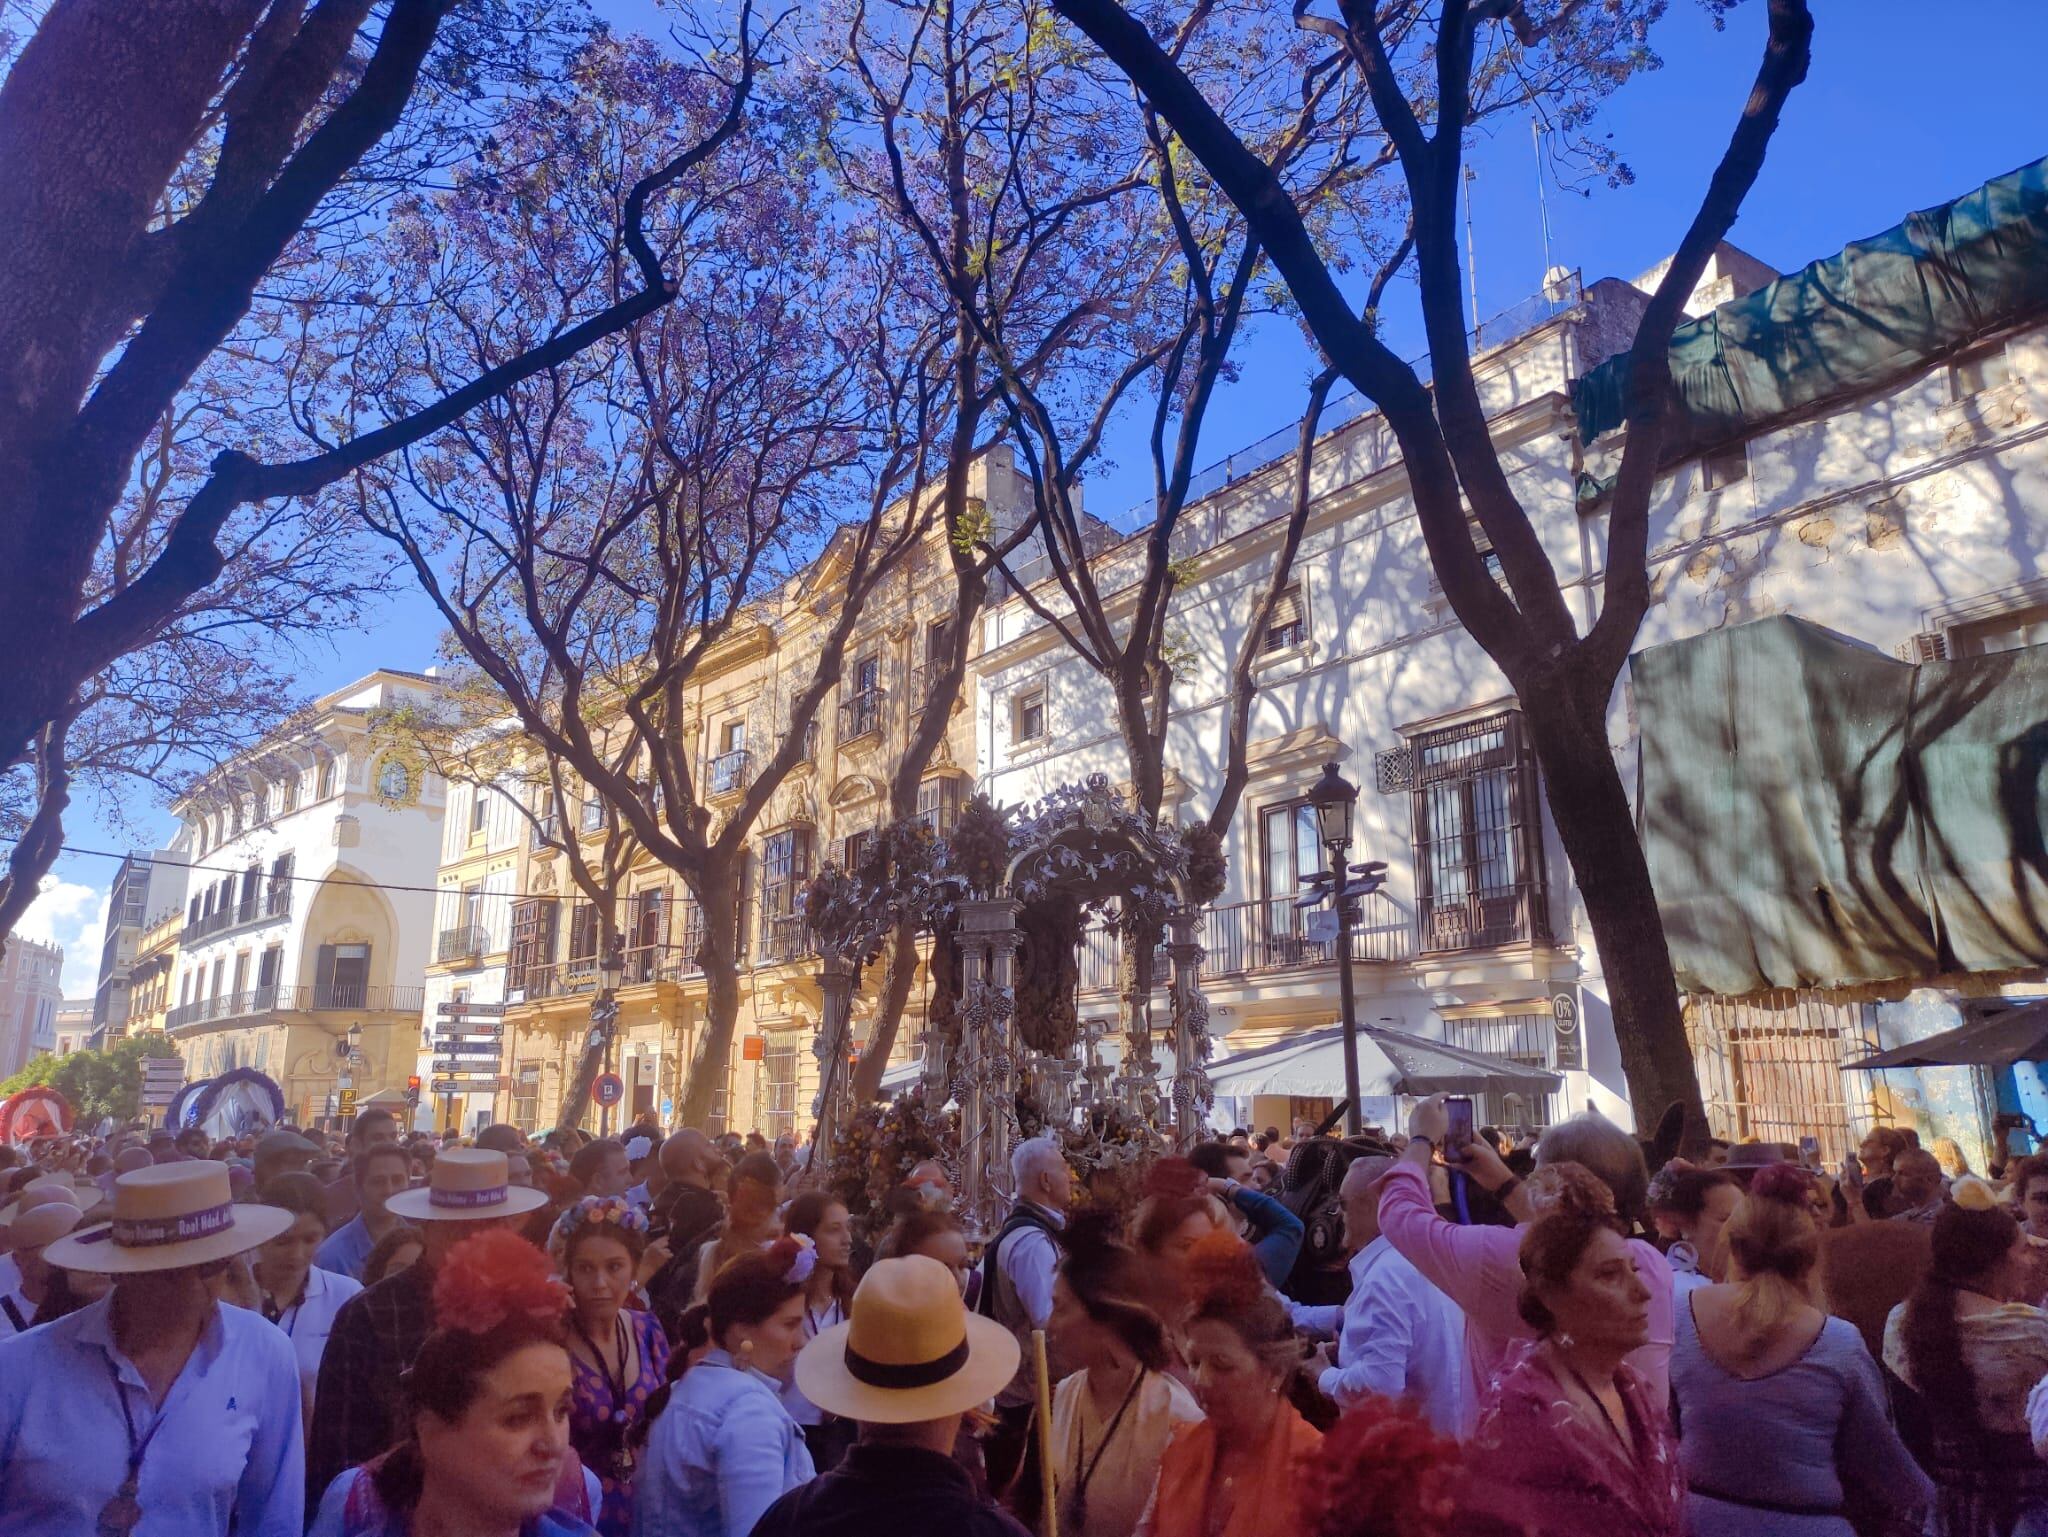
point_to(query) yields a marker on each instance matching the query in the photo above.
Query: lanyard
(615, 1387)
(138, 1445)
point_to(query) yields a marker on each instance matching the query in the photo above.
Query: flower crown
(613, 1210)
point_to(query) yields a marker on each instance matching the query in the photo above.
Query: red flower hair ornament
(1223, 1272)
(1782, 1182)
(1175, 1179)
(494, 1277)
(1381, 1471)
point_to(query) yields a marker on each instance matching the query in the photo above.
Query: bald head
(1916, 1178)
(687, 1158)
(1359, 1195)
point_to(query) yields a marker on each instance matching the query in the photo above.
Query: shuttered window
(1288, 627)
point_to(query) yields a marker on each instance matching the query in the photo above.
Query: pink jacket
(1478, 1268)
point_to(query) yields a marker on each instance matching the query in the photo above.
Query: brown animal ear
(1663, 1144)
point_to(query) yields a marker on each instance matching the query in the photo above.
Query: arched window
(394, 782)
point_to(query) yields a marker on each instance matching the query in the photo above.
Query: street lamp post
(611, 971)
(1335, 798)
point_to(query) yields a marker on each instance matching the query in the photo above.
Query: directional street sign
(487, 1029)
(467, 1010)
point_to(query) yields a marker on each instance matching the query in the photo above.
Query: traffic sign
(466, 1009)
(466, 1029)
(347, 1105)
(463, 1085)
(466, 1067)
(490, 1049)
(608, 1090)
(668, 1108)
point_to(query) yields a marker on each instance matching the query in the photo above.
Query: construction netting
(1819, 814)
(1878, 309)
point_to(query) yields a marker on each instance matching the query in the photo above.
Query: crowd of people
(393, 1335)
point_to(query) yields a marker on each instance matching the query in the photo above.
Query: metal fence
(1241, 938)
(1770, 1067)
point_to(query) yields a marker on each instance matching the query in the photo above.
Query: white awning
(1389, 1063)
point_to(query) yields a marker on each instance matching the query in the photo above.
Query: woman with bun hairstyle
(723, 1448)
(1570, 1442)
(487, 1411)
(1236, 1472)
(1781, 1411)
(823, 1220)
(1112, 1416)
(1971, 1354)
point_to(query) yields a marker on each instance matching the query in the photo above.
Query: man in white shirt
(1016, 1286)
(1401, 1337)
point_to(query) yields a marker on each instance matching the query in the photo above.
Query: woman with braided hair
(486, 1440)
(1970, 1354)
(1781, 1411)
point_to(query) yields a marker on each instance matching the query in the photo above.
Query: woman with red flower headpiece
(1781, 1411)
(487, 1401)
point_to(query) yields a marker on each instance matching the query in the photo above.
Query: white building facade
(1917, 510)
(310, 904)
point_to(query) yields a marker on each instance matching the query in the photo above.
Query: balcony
(727, 772)
(455, 946)
(807, 749)
(1260, 938)
(860, 715)
(248, 913)
(920, 687)
(785, 938)
(326, 997)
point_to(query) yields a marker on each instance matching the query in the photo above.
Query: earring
(746, 1347)
(1562, 1340)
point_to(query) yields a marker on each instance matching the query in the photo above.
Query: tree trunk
(709, 1062)
(43, 839)
(897, 977)
(604, 1024)
(1568, 730)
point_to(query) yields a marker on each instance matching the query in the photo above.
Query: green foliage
(974, 527)
(97, 1084)
(1208, 866)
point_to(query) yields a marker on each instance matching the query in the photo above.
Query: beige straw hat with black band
(910, 1351)
(169, 1217)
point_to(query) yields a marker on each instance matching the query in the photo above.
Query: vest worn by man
(998, 1299)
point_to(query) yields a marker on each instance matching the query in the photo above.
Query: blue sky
(1906, 106)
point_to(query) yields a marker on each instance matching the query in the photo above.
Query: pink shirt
(1479, 1269)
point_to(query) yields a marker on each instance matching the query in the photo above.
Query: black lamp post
(611, 971)
(1335, 798)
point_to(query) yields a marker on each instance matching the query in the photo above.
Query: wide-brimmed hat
(910, 1352)
(82, 1193)
(167, 1217)
(468, 1184)
(43, 1225)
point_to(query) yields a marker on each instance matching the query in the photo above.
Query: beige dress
(1122, 1477)
(2007, 1350)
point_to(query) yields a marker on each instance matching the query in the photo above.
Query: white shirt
(1401, 1338)
(226, 1448)
(1123, 1471)
(1030, 1262)
(309, 1321)
(816, 1322)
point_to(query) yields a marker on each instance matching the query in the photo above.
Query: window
(593, 812)
(341, 979)
(533, 946)
(325, 782)
(785, 869)
(252, 883)
(526, 1095)
(854, 848)
(860, 712)
(1724, 467)
(262, 804)
(938, 803)
(649, 935)
(278, 902)
(288, 793)
(1288, 854)
(472, 907)
(1027, 715)
(2005, 632)
(1974, 375)
(732, 736)
(267, 972)
(241, 974)
(583, 935)
(778, 1074)
(729, 768)
(479, 810)
(394, 780)
(1288, 629)
(1478, 837)
(938, 641)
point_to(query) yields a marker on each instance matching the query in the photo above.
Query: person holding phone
(1479, 1268)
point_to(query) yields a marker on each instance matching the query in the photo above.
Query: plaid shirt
(355, 1404)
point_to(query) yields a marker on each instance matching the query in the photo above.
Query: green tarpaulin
(1875, 311)
(1817, 814)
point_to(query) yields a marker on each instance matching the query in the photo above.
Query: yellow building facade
(735, 714)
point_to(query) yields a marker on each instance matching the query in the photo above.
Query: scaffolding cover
(1878, 309)
(1818, 814)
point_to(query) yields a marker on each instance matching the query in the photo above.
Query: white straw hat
(44, 1224)
(82, 1193)
(469, 1184)
(168, 1217)
(910, 1352)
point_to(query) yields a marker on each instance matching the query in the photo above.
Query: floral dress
(1548, 1473)
(595, 1429)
